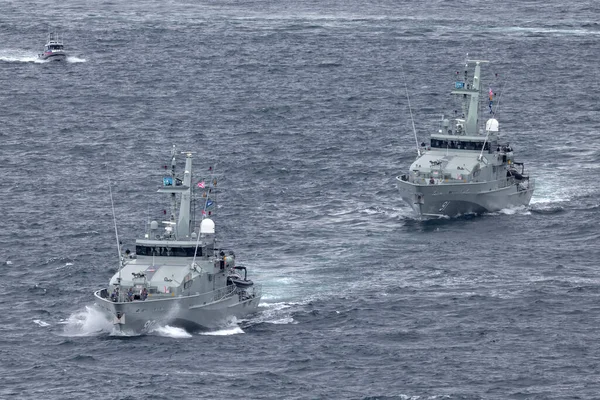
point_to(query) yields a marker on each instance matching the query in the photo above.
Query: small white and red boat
(54, 49)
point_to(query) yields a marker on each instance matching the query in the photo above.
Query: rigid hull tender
(177, 276)
(54, 50)
(466, 169)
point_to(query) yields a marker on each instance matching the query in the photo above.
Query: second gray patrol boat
(465, 169)
(177, 276)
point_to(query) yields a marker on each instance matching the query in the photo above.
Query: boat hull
(54, 57)
(435, 201)
(188, 312)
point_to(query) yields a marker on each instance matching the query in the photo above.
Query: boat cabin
(54, 47)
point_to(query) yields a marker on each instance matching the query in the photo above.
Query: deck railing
(208, 297)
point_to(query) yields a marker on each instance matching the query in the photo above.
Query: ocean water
(301, 109)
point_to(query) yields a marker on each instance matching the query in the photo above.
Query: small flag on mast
(201, 184)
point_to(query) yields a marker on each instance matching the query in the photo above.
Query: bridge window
(167, 251)
(459, 144)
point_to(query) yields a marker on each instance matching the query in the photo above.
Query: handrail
(451, 181)
(214, 295)
(227, 291)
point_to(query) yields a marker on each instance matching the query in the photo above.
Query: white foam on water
(8, 262)
(507, 211)
(11, 55)
(549, 31)
(235, 330)
(89, 322)
(275, 316)
(545, 195)
(556, 186)
(280, 287)
(40, 322)
(282, 321)
(519, 210)
(275, 313)
(73, 59)
(171, 332)
(123, 333)
(277, 306)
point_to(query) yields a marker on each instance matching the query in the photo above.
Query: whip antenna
(112, 205)
(410, 111)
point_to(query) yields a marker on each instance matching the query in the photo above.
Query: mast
(173, 195)
(472, 114)
(471, 95)
(178, 227)
(183, 224)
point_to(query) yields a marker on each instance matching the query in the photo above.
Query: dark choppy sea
(301, 108)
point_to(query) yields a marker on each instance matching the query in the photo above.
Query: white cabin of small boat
(54, 48)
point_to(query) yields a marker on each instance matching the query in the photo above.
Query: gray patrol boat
(466, 169)
(177, 276)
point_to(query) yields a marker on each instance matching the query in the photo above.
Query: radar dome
(207, 226)
(491, 125)
(153, 225)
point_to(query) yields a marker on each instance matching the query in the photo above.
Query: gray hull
(434, 201)
(188, 312)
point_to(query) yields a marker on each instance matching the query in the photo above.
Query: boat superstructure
(466, 168)
(177, 275)
(54, 49)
